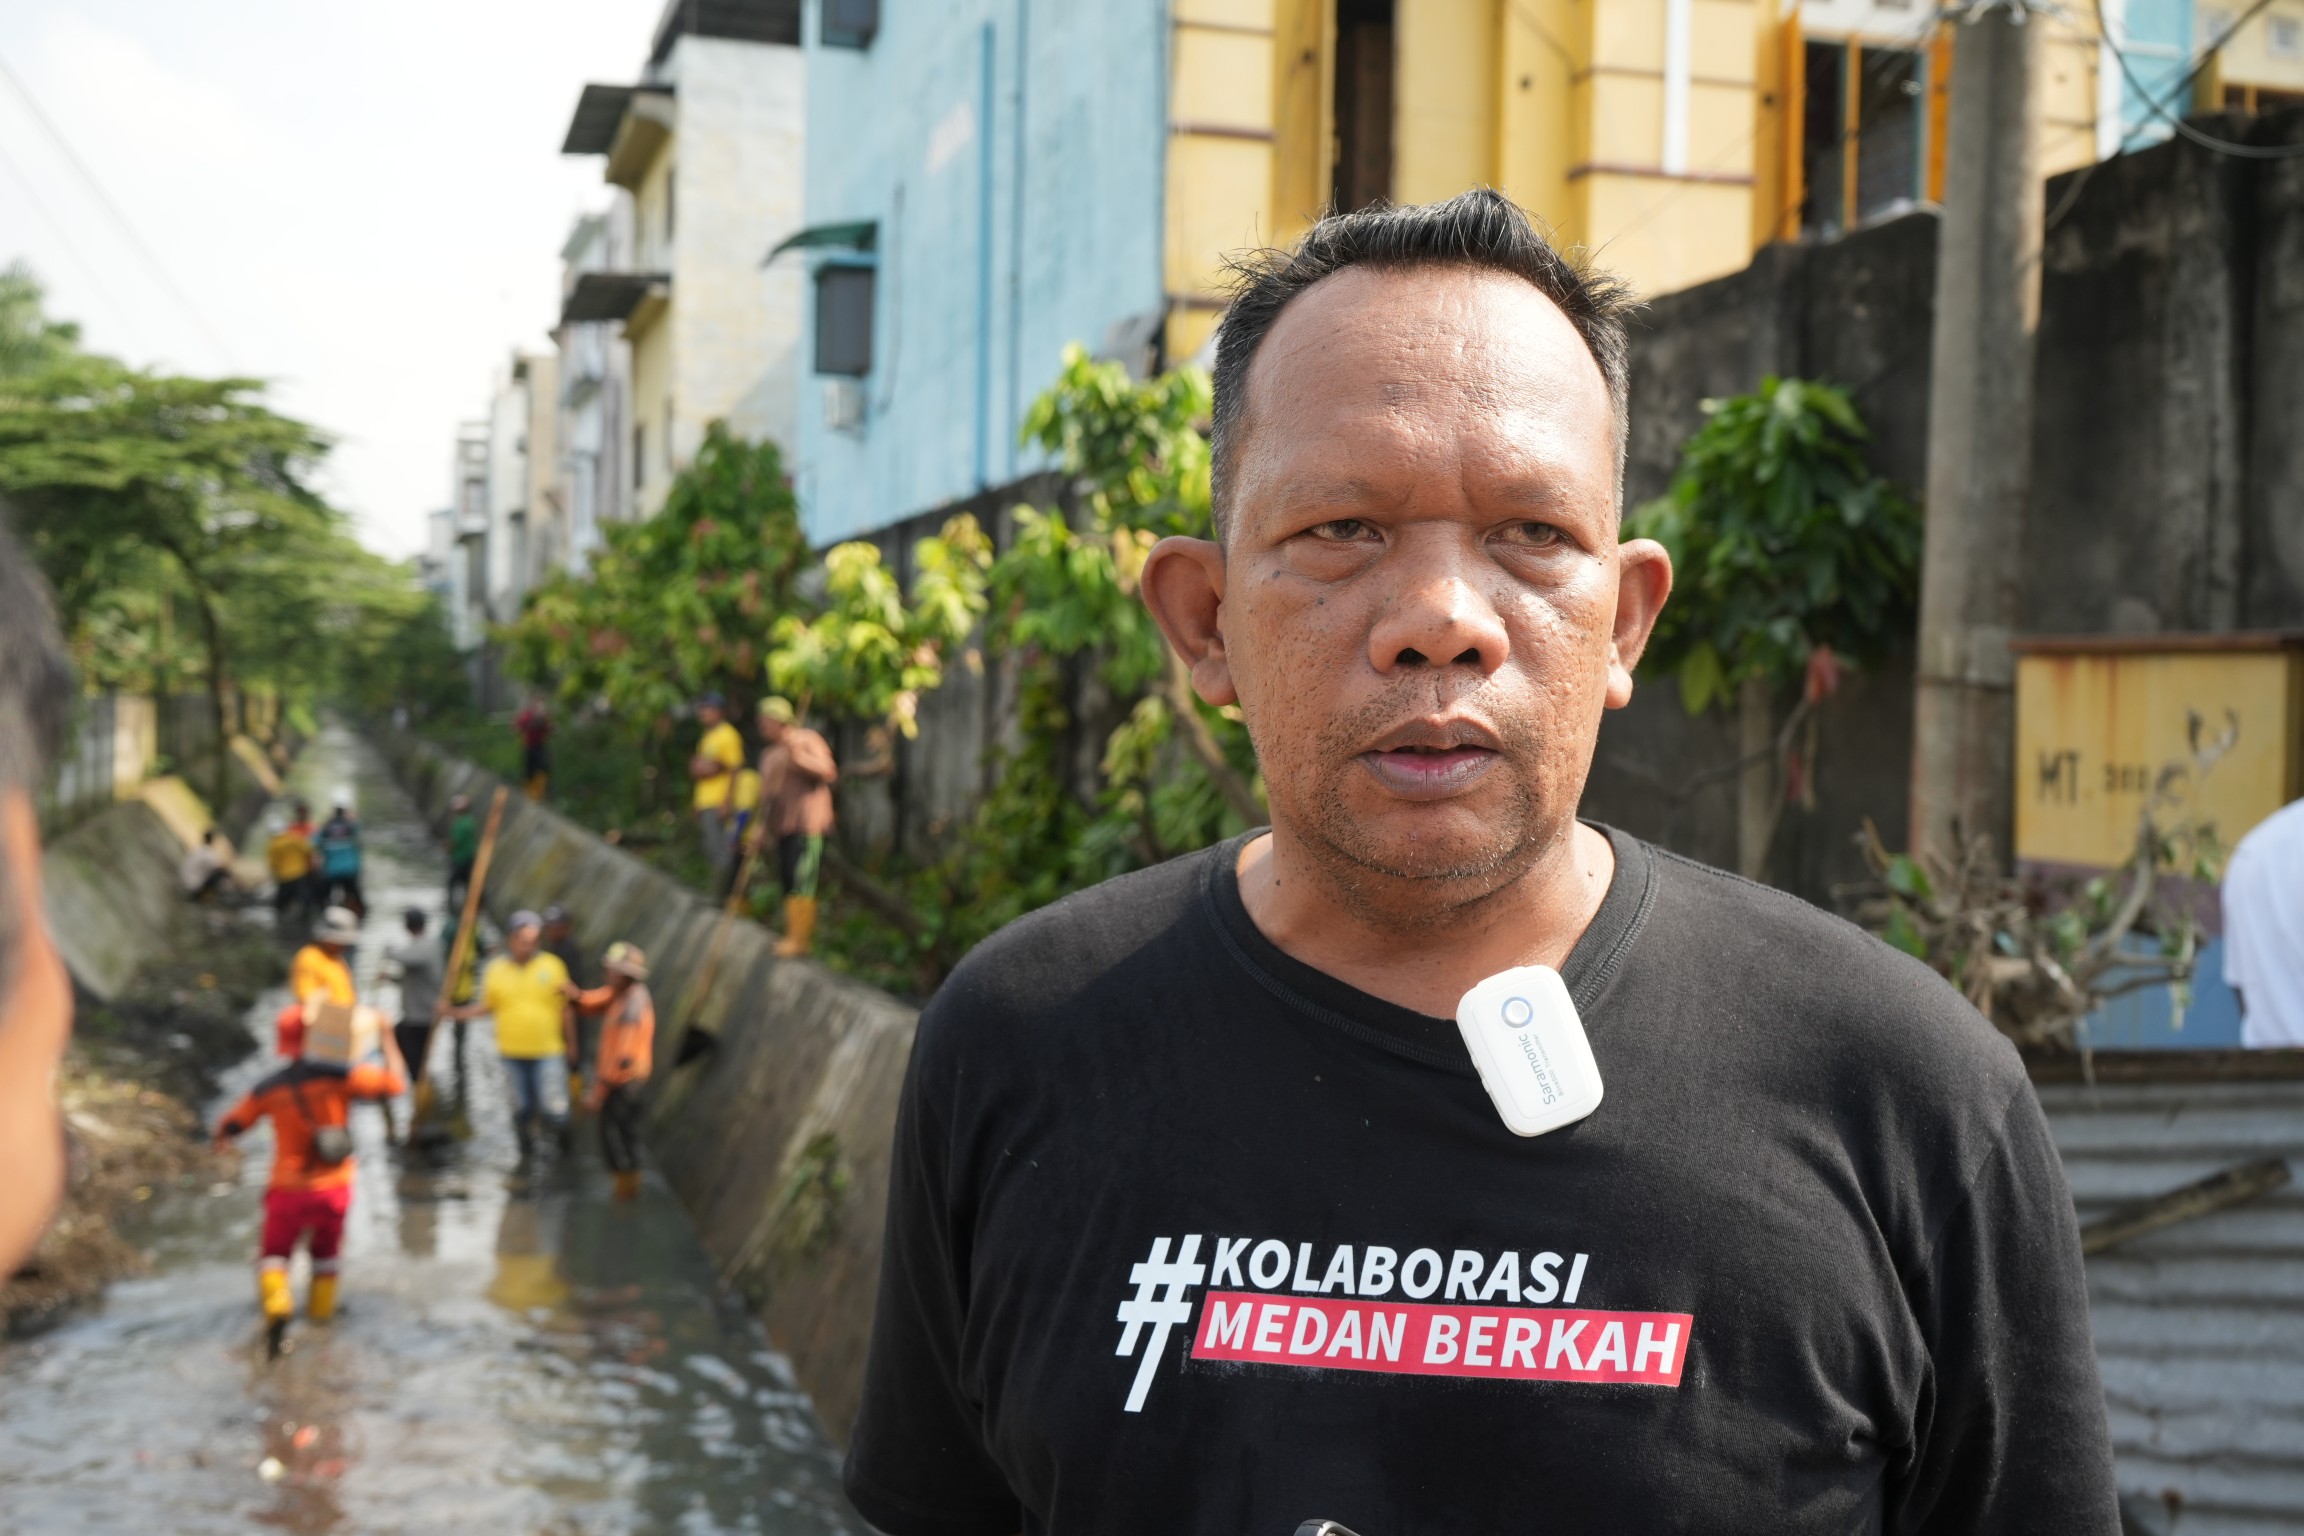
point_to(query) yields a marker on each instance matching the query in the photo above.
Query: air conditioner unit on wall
(844, 404)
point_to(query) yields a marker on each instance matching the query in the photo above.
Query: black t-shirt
(1186, 1236)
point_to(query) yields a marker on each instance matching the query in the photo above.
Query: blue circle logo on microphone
(1519, 1012)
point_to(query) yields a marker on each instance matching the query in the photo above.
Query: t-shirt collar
(1590, 967)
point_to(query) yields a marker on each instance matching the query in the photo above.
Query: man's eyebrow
(1323, 489)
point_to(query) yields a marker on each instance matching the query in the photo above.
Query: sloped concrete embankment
(774, 1127)
(110, 884)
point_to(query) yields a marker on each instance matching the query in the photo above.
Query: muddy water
(513, 1354)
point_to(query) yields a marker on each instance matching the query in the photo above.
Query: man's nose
(1436, 613)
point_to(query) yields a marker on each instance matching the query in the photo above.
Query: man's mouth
(1432, 768)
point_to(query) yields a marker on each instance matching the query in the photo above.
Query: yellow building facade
(1671, 138)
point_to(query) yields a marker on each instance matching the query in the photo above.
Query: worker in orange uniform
(321, 972)
(310, 1106)
(797, 773)
(624, 1059)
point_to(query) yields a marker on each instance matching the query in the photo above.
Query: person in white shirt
(203, 872)
(2264, 929)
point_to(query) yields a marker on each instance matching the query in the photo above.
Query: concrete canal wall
(775, 1129)
(109, 885)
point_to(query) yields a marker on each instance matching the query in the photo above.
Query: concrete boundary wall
(775, 1129)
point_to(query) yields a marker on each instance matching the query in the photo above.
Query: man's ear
(1643, 582)
(1183, 586)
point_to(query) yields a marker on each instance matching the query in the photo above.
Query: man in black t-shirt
(1200, 1219)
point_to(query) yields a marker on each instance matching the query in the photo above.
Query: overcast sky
(363, 204)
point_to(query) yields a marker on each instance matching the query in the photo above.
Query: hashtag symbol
(1163, 1312)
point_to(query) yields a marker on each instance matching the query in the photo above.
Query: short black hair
(36, 693)
(1480, 229)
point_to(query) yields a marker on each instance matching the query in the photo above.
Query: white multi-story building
(467, 560)
(595, 394)
(706, 153)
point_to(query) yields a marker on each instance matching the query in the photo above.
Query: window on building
(671, 184)
(848, 23)
(844, 320)
(1363, 105)
(669, 466)
(1823, 138)
(1862, 130)
(1888, 128)
(2257, 98)
(2284, 37)
(639, 455)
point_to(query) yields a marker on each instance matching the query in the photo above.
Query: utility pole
(1979, 436)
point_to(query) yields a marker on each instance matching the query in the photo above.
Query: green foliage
(406, 660)
(1782, 541)
(718, 591)
(30, 342)
(1064, 613)
(677, 603)
(869, 655)
(176, 520)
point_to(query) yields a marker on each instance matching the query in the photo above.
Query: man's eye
(1342, 530)
(1533, 535)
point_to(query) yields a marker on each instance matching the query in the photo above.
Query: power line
(2186, 130)
(24, 183)
(79, 166)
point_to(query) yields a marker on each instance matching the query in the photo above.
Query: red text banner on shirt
(1511, 1343)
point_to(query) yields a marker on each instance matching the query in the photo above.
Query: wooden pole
(2242, 1181)
(467, 930)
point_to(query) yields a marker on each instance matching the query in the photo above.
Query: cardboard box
(338, 1036)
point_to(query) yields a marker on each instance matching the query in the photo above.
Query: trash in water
(270, 1469)
(304, 1437)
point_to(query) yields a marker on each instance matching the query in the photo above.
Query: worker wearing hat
(797, 772)
(621, 1066)
(320, 973)
(526, 990)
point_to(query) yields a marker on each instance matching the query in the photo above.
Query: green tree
(143, 495)
(1790, 558)
(1085, 664)
(675, 604)
(30, 342)
(869, 654)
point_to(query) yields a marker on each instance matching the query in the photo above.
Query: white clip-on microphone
(1529, 1046)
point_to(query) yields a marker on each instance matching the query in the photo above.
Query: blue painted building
(2155, 40)
(984, 186)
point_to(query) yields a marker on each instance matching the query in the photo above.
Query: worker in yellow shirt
(527, 990)
(719, 754)
(289, 856)
(320, 973)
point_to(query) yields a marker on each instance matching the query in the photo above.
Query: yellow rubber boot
(272, 1289)
(321, 1304)
(799, 925)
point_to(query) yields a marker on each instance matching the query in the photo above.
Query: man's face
(522, 942)
(1422, 606)
(771, 730)
(35, 1022)
(710, 714)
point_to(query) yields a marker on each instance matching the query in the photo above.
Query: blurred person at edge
(2263, 896)
(36, 692)
(1200, 1220)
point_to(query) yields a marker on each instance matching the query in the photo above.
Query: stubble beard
(1422, 885)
